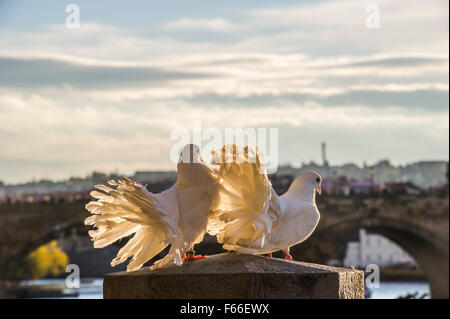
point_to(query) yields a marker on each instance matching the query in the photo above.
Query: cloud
(233, 79)
(50, 137)
(320, 29)
(44, 72)
(106, 97)
(188, 24)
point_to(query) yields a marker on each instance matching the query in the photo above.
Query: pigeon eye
(317, 180)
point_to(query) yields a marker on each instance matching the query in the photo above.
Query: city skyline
(105, 96)
(424, 173)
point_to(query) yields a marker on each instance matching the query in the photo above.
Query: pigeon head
(306, 185)
(314, 180)
(190, 154)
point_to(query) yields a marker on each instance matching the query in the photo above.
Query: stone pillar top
(232, 275)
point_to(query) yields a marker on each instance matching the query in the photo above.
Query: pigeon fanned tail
(129, 209)
(247, 206)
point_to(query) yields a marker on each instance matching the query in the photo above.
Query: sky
(107, 95)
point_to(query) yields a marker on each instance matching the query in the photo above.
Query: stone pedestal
(234, 276)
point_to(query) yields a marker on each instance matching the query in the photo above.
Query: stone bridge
(24, 227)
(418, 224)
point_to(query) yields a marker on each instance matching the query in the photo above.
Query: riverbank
(90, 288)
(395, 290)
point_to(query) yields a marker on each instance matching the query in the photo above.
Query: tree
(48, 259)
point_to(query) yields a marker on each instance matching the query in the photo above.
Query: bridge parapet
(426, 217)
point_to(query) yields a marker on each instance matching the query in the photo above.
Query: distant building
(148, 177)
(363, 187)
(336, 186)
(343, 186)
(426, 173)
(2, 192)
(342, 179)
(375, 249)
(287, 170)
(423, 174)
(402, 188)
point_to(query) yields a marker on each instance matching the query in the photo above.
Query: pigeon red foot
(288, 257)
(190, 256)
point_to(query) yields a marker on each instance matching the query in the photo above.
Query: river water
(392, 290)
(91, 288)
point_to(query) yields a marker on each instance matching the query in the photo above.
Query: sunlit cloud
(187, 24)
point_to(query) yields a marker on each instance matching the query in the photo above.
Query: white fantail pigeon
(249, 217)
(177, 216)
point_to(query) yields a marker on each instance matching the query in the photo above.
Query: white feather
(250, 217)
(176, 217)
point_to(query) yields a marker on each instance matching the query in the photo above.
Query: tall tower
(324, 154)
(324, 160)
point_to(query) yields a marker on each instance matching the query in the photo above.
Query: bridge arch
(423, 245)
(60, 230)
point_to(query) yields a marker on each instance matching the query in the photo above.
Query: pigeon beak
(319, 190)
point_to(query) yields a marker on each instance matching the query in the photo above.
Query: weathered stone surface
(233, 275)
